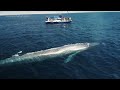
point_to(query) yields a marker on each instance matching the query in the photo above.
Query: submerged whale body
(49, 53)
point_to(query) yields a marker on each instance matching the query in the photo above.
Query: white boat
(58, 19)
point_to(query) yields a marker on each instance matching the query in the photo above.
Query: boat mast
(59, 13)
(67, 13)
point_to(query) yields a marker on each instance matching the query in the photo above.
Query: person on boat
(60, 16)
(46, 18)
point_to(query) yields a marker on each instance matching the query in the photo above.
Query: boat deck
(52, 20)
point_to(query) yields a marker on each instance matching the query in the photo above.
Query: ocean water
(29, 33)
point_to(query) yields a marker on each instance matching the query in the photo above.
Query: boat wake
(71, 50)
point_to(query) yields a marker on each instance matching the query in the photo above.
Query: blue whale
(70, 50)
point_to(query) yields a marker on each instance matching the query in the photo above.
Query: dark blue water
(29, 33)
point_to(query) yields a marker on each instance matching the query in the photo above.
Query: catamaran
(58, 19)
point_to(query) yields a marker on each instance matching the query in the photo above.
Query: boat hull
(57, 22)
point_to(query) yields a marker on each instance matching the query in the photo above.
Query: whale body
(49, 53)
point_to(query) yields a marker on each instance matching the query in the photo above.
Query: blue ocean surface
(29, 33)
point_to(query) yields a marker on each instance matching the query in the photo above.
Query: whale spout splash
(49, 53)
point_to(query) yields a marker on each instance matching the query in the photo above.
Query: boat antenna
(67, 12)
(58, 13)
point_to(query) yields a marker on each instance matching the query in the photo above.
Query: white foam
(20, 52)
(16, 55)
